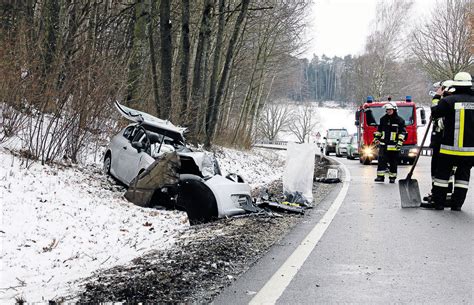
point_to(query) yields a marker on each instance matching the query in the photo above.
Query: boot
(427, 205)
(392, 179)
(379, 179)
(428, 198)
(455, 208)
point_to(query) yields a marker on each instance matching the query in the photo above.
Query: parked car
(341, 146)
(353, 147)
(202, 191)
(331, 138)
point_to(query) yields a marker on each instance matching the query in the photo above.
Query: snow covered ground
(60, 223)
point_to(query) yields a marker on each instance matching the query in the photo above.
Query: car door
(119, 143)
(130, 157)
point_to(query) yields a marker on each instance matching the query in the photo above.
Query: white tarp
(299, 169)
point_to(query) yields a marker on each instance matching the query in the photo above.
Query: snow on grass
(258, 167)
(60, 224)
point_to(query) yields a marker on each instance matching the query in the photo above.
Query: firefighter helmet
(462, 79)
(390, 105)
(447, 84)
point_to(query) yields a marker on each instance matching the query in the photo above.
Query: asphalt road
(372, 250)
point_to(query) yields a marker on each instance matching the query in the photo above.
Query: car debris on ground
(209, 257)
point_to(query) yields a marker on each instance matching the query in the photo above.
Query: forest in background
(398, 59)
(213, 66)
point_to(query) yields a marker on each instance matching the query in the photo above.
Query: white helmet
(448, 84)
(390, 105)
(462, 79)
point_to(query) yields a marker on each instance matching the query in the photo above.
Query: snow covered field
(325, 118)
(61, 223)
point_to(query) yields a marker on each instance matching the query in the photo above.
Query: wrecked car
(150, 156)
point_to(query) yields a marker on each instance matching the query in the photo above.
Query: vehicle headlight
(368, 151)
(412, 152)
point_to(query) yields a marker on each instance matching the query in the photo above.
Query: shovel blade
(409, 193)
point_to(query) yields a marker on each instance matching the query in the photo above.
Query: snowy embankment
(61, 223)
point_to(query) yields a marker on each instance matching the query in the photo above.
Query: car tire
(326, 153)
(367, 161)
(107, 163)
(197, 199)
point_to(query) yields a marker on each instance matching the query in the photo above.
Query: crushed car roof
(145, 118)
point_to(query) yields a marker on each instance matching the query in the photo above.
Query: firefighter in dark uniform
(389, 136)
(443, 90)
(457, 142)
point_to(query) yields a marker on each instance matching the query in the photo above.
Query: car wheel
(197, 199)
(326, 153)
(367, 161)
(107, 163)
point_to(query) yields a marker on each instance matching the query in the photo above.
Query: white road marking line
(277, 284)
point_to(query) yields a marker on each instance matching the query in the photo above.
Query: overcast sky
(339, 27)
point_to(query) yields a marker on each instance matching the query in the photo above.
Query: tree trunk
(215, 69)
(166, 58)
(185, 48)
(151, 46)
(212, 115)
(52, 28)
(196, 89)
(137, 30)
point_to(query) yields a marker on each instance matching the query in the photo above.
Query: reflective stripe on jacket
(458, 112)
(391, 130)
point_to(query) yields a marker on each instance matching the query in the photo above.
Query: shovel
(409, 189)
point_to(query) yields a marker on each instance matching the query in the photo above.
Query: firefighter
(443, 90)
(457, 142)
(389, 136)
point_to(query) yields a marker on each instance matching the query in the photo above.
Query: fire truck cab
(367, 119)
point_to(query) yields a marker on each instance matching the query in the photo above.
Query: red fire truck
(367, 119)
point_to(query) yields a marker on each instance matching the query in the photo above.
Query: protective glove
(399, 145)
(441, 123)
(375, 142)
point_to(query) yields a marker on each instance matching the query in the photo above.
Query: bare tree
(385, 44)
(197, 90)
(274, 118)
(443, 44)
(166, 57)
(185, 51)
(151, 44)
(213, 109)
(303, 122)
